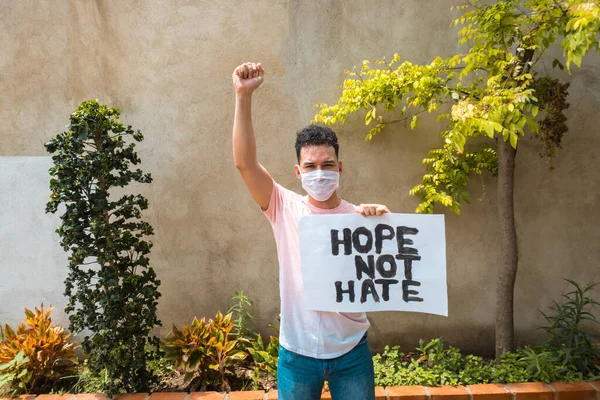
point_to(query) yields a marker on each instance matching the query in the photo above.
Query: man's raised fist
(248, 77)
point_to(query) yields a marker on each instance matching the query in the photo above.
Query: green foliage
(15, 378)
(205, 350)
(452, 171)
(436, 364)
(570, 354)
(36, 355)
(240, 310)
(89, 381)
(112, 290)
(494, 89)
(264, 360)
(161, 368)
(567, 335)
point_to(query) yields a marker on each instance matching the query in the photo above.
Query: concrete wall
(167, 66)
(32, 262)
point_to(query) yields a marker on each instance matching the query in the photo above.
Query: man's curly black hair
(316, 135)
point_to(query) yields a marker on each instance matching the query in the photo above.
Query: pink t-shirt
(311, 333)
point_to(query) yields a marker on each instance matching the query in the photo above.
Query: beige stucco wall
(167, 66)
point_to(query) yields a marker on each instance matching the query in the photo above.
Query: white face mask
(320, 184)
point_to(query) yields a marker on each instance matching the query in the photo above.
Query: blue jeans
(350, 376)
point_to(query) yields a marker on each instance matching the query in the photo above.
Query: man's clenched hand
(247, 78)
(372, 209)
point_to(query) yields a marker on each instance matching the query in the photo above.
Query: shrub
(112, 291)
(437, 365)
(161, 368)
(567, 336)
(14, 376)
(36, 355)
(569, 354)
(264, 360)
(205, 350)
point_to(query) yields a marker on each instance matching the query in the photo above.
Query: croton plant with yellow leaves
(35, 355)
(205, 350)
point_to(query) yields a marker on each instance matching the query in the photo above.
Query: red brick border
(516, 391)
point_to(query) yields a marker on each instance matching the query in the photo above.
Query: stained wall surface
(167, 66)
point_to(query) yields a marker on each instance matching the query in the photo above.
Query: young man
(315, 346)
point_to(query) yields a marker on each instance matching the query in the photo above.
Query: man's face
(313, 158)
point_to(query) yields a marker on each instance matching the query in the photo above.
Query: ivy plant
(112, 290)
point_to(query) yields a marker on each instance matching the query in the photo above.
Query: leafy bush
(112, 291)
(161, 368)
(14, 376)
(35, 356)
(205, 350)
(89, 381)
(570, 354)
(264, 360)
(568, 337)
(437, 365)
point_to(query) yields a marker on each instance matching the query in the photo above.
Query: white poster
(352, 263)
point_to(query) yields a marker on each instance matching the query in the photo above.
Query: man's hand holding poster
(351, 263)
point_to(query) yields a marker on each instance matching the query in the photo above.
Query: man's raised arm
(246, 79)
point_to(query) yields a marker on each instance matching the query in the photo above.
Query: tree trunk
(507, 269)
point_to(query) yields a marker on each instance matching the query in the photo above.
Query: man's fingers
(249, 70)
(382, 210)
(261, 70)
(372, 209)
(365, 210)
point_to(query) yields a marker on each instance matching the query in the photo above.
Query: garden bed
(516, 391)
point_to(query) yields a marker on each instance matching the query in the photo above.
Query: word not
(362, 240)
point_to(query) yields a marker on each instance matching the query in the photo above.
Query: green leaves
(567, 334)
(495, 88)
(581, 29)
(204, 347)
(265, 358)
(421, 85)
(448, 174)
(513, 139)
(414, 122)
(435, 364)
(111, 289)
(15, 378)
(240, 310)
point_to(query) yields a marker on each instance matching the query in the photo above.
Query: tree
(112, 290)
(496, 92)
